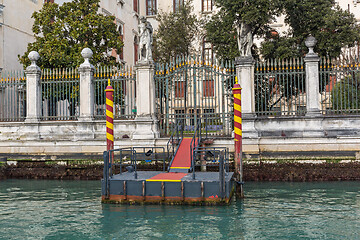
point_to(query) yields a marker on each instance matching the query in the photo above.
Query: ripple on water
(31, 209)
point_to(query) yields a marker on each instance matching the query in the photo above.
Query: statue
(146, 40)
(244, 39)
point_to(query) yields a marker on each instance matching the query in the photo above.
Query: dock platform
(184, 179)
(169, 188)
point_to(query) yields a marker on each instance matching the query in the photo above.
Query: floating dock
(183, 179)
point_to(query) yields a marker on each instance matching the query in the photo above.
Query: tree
(61, 32)
(176, 33)
(255, 14)
(333, 28)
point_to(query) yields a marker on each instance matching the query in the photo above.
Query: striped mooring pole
(109, 117)
(238, 138)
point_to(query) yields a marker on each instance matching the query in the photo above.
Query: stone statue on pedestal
(245, 38)
(146, 40)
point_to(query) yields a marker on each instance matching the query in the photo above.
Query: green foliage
(333, 27)
(221, 33)
(220, 30)
(346, 93)
(176, 33)
(61, 32)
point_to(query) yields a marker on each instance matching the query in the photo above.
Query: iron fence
(280, 87)
(339, 86)
(12, 96)
(188, 89)
(60, 94)
(123, 81)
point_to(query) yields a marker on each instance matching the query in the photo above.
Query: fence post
(245, 67)
(33, 89)
(146, 122)
(86, 70)
(245, 73)
(312, 79)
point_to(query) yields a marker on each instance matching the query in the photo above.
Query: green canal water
(41, 209)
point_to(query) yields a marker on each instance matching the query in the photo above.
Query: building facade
(15, 30)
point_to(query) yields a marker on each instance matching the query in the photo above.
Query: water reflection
(72, 210)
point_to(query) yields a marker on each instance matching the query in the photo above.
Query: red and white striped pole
(109, 117)
(238, 136)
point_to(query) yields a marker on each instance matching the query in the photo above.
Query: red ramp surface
(182, 158)
(167, 177)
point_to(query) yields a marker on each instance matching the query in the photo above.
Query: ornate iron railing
(340, 86)
(12, 96)
(188, 89)
(123, 81)
(280, 88)
(60, 94)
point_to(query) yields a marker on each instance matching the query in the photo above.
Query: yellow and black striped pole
(109, 117)
(238, 135)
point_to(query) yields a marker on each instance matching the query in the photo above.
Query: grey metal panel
(172, 189)
(211, 189)
(192, 189)
(134, 188)
(116, 187)
(153, 189)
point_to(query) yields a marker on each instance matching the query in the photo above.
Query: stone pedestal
(312, 85)
(33, 90)
(146, 122)
(245, 74)
(86, 70)
(312, 79)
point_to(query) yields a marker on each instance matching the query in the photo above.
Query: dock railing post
(106, 173)
(221, 175)
(238, 138)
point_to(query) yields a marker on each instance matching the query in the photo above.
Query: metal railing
(174, 142)
(12, 96)
(188, 88)
(340, 86)
(214, 157)
(60, 94)
(280, 88)
(116, 160)
(123, 81)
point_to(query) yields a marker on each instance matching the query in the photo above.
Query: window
(209, 114)
(179, 89)
(192, 116)
(207, 51)
(178, 4)
(150, 7)
(207, 5)
(121, 34)
(136, 5)
(208, 88)
(136, 46)
(180, 116)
